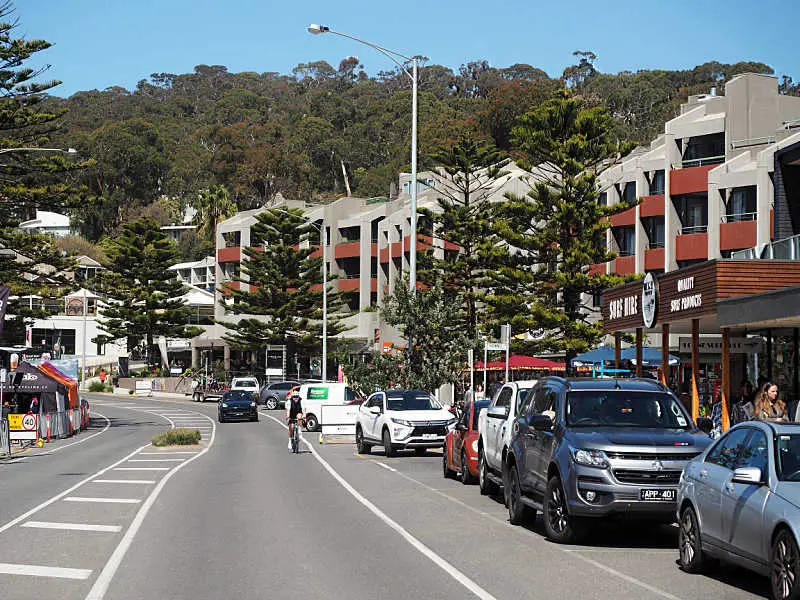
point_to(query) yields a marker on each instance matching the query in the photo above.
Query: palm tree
(213, 205)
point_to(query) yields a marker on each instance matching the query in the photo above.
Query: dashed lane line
(43, 571)
(141, 468)
(72, 526)
(150, 460)
(103, 500)
(143, 481)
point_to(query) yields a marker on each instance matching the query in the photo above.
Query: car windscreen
(411, 401)
(236, 395)
(246, 384)
(479, 406)
(787, 457)
(625, 408)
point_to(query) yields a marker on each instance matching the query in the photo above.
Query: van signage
(318, 393)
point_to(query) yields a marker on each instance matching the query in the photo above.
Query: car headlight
(590, 458)
(402, 422)
(475, 446)
(252, 404)
(224, 405)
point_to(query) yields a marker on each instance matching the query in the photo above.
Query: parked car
(460, 453)
(274, 394)
(400, 419)
(247, 384)
(494, 432)
(739, 502)
(237, 405)
(314, 395)
(593, 448)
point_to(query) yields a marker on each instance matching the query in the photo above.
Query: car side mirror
(541, 422)
(461, 427)
(705, 424)
(497, 412)
(748, 476)
(375, 410)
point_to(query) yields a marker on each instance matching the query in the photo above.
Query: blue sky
(100, 43)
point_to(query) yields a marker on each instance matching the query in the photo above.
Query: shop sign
(627, 306)
(736, 345)
(689, 298)
(649, 300)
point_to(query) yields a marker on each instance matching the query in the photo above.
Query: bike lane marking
(448, 568)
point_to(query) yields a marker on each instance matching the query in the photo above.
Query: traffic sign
(29, 422)
(3, 374)
(495, 346)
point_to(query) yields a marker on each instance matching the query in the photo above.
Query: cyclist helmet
(296, 396)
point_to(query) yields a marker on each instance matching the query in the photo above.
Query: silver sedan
(738, 501)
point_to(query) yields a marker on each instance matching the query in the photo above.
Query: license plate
(429, 436)
(658, 495)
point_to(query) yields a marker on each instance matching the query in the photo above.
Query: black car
(238, 405)
(583, 449)
(273, 394)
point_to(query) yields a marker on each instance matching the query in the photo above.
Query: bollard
(47, 418)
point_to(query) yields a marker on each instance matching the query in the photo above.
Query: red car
(461, 444)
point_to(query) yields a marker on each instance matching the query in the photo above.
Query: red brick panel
(652, 206)
(653, 259)
(229, 254)
(347, 250)
(627, 217)
(625, 265)
(691, 246)
(349, 285)
(738, 235)
(689, 180)
(598, 269)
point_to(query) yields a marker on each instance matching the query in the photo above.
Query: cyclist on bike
(294, 414)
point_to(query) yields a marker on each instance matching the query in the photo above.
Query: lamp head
(317, 29)
(71, 151)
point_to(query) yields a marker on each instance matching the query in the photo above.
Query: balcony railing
(693, 229)
(701, 162)
(736, 217)
(785, 249)
(655, 245)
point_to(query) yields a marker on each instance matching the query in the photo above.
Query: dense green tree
(558, 228)
(467, 173)
(284, 275)
(212, 205)
(144, 298)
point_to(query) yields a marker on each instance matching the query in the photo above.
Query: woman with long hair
(768, 407)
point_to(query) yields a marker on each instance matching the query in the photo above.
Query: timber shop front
(732, 299)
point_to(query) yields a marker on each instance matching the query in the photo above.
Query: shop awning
(651, 357)
(520, 362)
(597, 356)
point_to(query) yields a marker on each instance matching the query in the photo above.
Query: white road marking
(168, 452)
(145, 481)
(42, 571)
(141, 469)
(103, 500)
(148, 460)
(85, 439)
(72, 526)
(385, 466)
(425, 550)
(103, 580)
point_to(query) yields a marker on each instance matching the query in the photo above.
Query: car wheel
(690, 552)
(446, 471)
(486, 486)
(466, 476)
(361, 446)
(271, 403)
(221, 419)
(311, 423)
(558, 524)
(785, 568)
(517, 511)
(388, 449)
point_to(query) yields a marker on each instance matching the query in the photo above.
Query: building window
(654, 229)
(602, 200)
(233, 239)
(704, 150)
(693, 213)
(48, 339)
(626, 240)
(741, 205)
(657, 185)
(629, 192)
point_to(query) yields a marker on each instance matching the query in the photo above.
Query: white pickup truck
(494, 432)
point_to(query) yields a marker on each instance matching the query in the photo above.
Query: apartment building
(724, 176)
(369, 242)
(198, 273)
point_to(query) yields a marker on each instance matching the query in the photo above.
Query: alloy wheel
(687, 539)
(783, 576)
(556, 511)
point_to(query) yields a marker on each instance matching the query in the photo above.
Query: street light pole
(29, 149)
(391, 55)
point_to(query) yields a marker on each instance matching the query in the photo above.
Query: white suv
(246, 384)
(399, 419)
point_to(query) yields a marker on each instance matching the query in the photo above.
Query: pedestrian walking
(742, 409)
(479, 393)
(34, 406)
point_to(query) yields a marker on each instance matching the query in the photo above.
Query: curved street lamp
(64, 150)
(393, 56)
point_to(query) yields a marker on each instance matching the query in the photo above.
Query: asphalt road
(243, 518)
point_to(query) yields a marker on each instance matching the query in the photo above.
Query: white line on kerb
(42, 571)
(148, 481)
(435, 558)
(72, 526)
(105, 500)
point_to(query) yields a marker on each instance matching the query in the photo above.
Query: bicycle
(295, 435)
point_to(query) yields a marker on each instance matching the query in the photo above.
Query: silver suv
(591, 448)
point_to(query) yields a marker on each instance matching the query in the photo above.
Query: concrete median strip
(43, 571)
(72, 526)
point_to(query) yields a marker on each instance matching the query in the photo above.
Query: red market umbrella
(520, 362)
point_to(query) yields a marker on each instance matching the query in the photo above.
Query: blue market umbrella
(651, 357)
(594, 357)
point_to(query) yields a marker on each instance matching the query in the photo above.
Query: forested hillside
(156, 147)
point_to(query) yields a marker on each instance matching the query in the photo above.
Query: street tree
(558, 229)
(467, 174)
(283, 275)
(144, 297)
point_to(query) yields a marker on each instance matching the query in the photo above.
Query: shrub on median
(177, 437)
(99, 386)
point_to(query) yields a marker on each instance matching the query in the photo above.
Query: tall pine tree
(144, 297)
(559, 228)
(285, 288)
(467, 174)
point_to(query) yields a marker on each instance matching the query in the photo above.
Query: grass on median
(177, 437)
